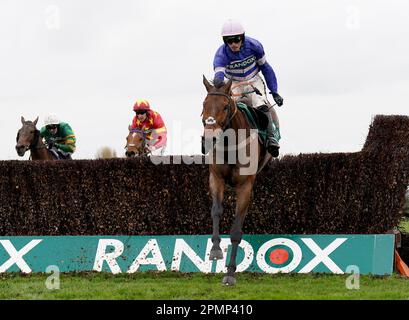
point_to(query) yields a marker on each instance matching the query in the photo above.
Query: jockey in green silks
(59, 137)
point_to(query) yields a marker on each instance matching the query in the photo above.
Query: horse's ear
(207, 84)
(227, 86)
(35, 121)
(22, 120)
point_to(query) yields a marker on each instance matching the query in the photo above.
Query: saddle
(257, 120)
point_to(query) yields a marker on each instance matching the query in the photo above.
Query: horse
(28, 138)
(220, 114)
(136, 144)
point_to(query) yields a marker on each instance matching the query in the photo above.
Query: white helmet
(51, 119)
(231, 28)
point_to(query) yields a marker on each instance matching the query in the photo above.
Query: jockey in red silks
(151, 121)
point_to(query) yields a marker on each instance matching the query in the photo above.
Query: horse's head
(218, 112)
(136, 143)
(217, 106)
(27, 136)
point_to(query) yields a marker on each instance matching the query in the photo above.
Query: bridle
(34, 143)
(144, 134)
(36, 139)
(230, 114)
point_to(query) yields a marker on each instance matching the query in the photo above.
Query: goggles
(233, 39)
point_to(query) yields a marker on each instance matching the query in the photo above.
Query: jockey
(241, 58)
(59, 137)
(149, 120)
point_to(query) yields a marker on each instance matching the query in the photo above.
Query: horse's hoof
(229, 280)
(216, 254)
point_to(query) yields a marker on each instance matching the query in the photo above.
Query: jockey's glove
(51, 144)
(218, 82)
(277, 98)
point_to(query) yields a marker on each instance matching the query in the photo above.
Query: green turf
(404, 225)
(171, 285)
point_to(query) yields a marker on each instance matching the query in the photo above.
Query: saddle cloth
(257, 119)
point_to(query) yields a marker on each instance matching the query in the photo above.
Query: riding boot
(273, 134)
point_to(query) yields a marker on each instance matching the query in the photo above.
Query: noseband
(230, 114)
(144, 134)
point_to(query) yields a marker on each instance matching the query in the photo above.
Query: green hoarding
(370, 254)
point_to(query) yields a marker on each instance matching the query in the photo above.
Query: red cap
(141, 104)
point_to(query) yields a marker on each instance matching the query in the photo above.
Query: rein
(245, 83)
(144, 132)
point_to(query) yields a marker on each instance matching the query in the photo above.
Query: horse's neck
(239, 121)
(40, 151)
(39, 154)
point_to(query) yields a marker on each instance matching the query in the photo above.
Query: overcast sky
(338, 63)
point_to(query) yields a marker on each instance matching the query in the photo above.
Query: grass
(196, 286)
(404, 224)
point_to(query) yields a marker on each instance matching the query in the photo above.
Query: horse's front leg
(217, 192)
(243, 192)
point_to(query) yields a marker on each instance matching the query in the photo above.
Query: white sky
(338, 63)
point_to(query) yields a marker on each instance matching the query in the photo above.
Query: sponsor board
(372, 254)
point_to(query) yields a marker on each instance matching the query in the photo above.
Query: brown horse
(221, 115)
(136, 143)
(28, 138)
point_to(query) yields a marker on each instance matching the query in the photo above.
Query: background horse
(28, 138)
(220, 113)
(136, 143)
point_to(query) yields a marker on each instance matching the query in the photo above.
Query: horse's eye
(226, 108)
